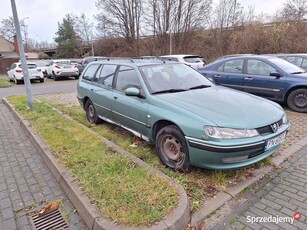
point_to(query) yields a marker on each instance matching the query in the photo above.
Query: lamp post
(22, 56)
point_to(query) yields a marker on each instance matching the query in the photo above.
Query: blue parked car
(266, 76)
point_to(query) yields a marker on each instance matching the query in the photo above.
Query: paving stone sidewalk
(280, 195)
(26, 183)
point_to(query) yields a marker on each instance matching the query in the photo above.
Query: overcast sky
(44, 15)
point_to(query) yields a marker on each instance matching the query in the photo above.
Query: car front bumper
(222, 156)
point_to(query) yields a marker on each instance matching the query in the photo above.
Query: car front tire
(172, 148)
(297, 100)
(91, 114)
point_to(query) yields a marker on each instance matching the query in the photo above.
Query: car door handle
(115, 97)
(217, 76)
(249, 78)
(92, 89)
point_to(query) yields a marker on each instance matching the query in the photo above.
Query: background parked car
(299, 59)
(15, 72)
(62, 68)
(87, 60)
(193, 61)
(43, 65)
(187, 117)
(266, 76)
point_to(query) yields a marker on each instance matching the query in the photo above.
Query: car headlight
(284, 119)
(227, 133)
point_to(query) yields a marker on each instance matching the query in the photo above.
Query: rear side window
(127, 77)
(90, 72)
(232, 66)
(106, 75)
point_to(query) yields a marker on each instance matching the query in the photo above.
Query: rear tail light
(19, 70)
(59, 67)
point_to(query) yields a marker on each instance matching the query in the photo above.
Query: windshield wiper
(169, 91)
(298, 72)
(200, 87)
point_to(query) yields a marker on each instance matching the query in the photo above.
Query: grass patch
(4, 83)
(122, 190)
(199, 184)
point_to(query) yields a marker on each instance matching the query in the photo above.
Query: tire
(297, 100)
(41, 80)
(55, 78)
(91, 114)
(76, 77)
(17, 82)
(172, 148)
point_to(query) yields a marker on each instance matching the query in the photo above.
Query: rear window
(192, 59)
(30, 66)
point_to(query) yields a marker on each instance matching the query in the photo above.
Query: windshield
(173, 78)
(286, 66)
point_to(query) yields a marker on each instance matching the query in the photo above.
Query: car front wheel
(91, 114)
(297, 100)
(172, 148)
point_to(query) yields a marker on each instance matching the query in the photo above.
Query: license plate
(275, 141)
(67, 67)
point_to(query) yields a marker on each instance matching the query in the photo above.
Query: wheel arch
(292, 89)
(159, 125)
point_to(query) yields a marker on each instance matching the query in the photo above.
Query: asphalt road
(49, 86)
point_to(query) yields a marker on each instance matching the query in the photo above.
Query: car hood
(227, 107)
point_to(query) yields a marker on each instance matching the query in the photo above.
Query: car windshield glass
(167, 78)
(286, 66)
(192, 59)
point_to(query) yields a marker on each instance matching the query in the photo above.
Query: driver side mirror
(132, 91)
(275, 74)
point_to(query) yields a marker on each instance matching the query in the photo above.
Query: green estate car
(190, 120)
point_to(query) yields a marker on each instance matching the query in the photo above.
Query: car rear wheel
(55, 78)
(91, 114)
(17, 82)
(297, 100)
(172, 148)
(41, 80)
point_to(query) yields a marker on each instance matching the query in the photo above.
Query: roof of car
(180, 55)
(135, 61)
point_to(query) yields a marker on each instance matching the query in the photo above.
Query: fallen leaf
(49, 207)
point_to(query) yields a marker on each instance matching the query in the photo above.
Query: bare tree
(124, 17)
(294, 10)
(7, 29)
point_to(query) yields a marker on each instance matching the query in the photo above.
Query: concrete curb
(179, 218)
(221, 198)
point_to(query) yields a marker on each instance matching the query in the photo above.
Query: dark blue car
(266, 76)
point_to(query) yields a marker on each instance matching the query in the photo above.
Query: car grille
(267, 129)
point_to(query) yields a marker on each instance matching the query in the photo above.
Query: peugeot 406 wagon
(190, 120)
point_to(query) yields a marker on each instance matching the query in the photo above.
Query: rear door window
(232, 66)
(106, 75)
(90, 72)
